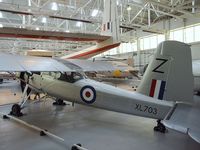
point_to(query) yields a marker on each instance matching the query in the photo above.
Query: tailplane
(169, 75)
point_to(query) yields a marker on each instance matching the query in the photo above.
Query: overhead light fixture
(78, 24)
(129, 8)
(37, 28)
(1, 26)
(29, 2)
(1, 0)
(67, 31)
(54, 6)
(117, 2)
(44, 20)
(94, 12)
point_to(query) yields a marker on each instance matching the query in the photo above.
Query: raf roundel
(88, 94)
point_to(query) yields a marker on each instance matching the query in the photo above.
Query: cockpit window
(70, 77)
(55, 75)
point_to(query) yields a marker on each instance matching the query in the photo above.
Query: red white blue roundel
(88, 94)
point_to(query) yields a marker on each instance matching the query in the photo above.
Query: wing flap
(12, 63)
(185, 118)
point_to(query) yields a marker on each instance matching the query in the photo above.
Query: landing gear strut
(59, 102)
(160, 127)
(16, 108)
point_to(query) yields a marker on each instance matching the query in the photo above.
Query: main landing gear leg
(16, 108)
(160, 127)
(59, 102)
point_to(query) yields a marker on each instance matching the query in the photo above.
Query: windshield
(70, 77)
(66, 76)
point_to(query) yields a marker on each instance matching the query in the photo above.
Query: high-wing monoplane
(165, 92)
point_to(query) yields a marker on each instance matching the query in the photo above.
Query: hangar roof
(84, 16)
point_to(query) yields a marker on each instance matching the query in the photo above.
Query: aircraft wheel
(198, 93)
(16, 110)
(160, 127)
(59, 102)
(156, 128)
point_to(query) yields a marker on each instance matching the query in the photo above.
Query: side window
(77, 76)
(70, 77)
(57, 75)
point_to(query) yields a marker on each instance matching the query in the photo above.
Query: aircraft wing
(185, 118)
(89, 65)
(17, 63)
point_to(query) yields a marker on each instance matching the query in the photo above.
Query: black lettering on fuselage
(137, 106)
(163, 61)
(146, 109)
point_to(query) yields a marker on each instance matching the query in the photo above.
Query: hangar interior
(143, 23)
(63, 27)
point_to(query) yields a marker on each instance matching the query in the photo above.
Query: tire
(16, 110)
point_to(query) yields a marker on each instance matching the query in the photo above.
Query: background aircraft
(110, 28)
(107, 40)
(163, 82)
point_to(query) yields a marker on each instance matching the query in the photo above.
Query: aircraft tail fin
(110, 24)
(169, 74)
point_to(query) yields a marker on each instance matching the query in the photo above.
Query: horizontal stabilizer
(185, 118)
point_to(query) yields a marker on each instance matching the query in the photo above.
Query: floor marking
(42, 131)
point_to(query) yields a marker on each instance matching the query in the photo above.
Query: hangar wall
(195, 47)
(142, 57)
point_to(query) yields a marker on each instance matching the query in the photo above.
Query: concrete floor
(10, 92)
(95, 129)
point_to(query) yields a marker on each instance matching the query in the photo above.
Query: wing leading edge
(17, 63)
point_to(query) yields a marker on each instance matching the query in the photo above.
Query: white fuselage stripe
(157, 89)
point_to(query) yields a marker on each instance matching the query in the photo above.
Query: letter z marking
(163, 61)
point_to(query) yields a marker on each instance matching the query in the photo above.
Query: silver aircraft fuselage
(96, 94)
